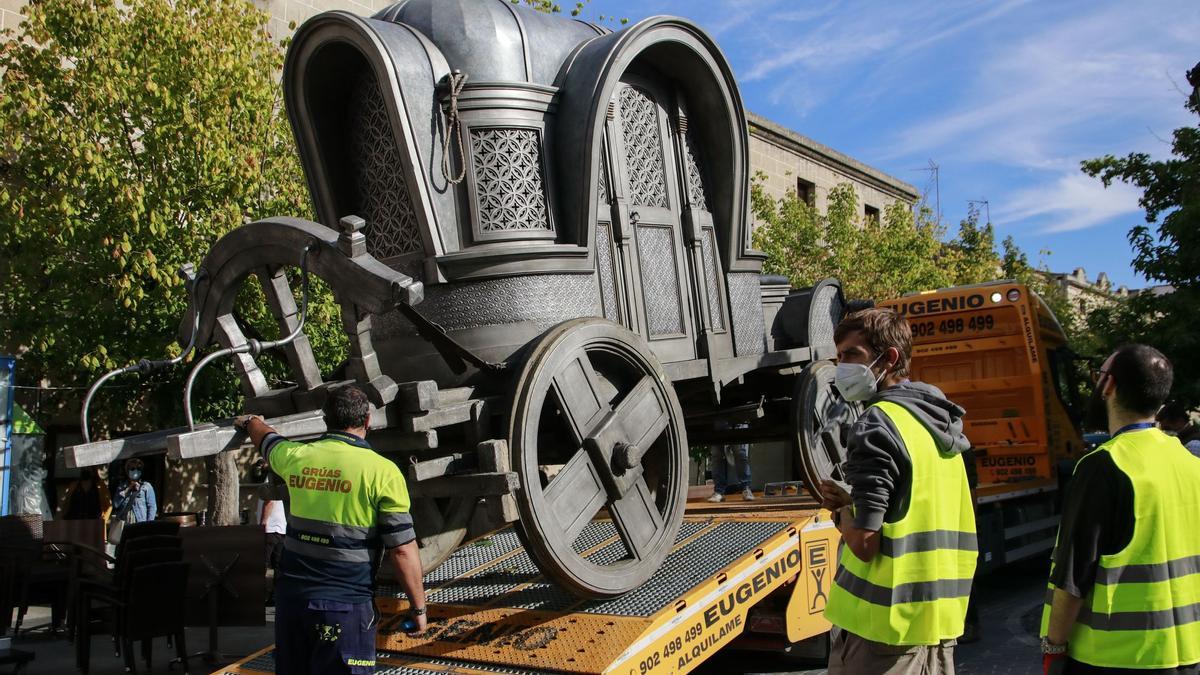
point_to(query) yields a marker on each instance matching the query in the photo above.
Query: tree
(133, 134)
(875, 258)
(973, 251)
(1166, 249)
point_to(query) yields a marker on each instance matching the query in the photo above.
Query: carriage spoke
(637, 519)
(643, 414)
(580, 397)
(575, 495)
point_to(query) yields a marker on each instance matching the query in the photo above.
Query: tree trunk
(223, 479)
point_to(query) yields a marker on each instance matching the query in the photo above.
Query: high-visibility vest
(346, 501)
(1144, 609)
(915, 590)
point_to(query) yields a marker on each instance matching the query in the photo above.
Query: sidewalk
(56, 656)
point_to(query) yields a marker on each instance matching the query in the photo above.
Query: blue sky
(1005, 96)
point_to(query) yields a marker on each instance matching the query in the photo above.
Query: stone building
(1084, 295)
(792, 161)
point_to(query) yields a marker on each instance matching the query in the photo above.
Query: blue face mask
(135, 474)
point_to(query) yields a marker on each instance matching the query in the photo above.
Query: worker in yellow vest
(347, 506)
(899, 598)
(1124, 592)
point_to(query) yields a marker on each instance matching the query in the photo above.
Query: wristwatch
(418, 611)
(1049, 647)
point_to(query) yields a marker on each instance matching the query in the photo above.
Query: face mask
(855, 381)
(135, 474)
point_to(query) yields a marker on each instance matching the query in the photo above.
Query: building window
(806, 191)
(870, 212)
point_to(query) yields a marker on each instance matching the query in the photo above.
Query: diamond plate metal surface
(508, 180)
(685, 567)
(643, 148)
(263, 662)
(697, 195)
(428, 660)
(482, 586)
(383, 196)
(660, 279)
(712, 278)
(543, 299)
(607, 272)
(745, 300)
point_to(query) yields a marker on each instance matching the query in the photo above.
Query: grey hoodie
(878, 467)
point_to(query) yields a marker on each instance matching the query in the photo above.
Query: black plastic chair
(154, 607)
(106, 604)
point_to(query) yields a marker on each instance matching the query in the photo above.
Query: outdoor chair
(31, 571)
(105, 605)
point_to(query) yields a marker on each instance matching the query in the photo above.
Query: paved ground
(1010, 609)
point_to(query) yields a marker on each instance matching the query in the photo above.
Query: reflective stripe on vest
(915, 590)
(1144, 609)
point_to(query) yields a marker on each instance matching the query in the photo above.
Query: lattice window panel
(712, 277)
(695, 177)
(608, 277)
(660, 280)
(645, 166)
(508, 180)
(602, 186)
(383, 196)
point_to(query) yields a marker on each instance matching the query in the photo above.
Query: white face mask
(855, 381)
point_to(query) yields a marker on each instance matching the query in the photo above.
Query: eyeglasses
(1098, 374)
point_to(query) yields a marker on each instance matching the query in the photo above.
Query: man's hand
(243, 421)
(420, 620)
(833, 496)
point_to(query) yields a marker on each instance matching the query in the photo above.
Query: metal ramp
(491, 611)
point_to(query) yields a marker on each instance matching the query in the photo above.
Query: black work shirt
(1097, 520)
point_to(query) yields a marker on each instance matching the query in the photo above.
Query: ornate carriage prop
(537, 231)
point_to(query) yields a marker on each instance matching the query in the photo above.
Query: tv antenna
(987, 209)
(934, 175)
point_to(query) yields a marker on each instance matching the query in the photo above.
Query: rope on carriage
(457, 79)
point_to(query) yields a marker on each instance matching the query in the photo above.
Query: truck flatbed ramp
(737, 569)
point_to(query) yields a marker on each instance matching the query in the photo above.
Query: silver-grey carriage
(537, 231)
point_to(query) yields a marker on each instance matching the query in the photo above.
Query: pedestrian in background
(133, 502)
(899, 598)
(86, 499)
(273, 518)
(1125, 583)
(719, 456)
(1175, 420)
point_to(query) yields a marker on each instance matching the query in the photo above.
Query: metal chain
(457, 79)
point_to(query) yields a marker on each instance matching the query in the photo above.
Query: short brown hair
(882, 328)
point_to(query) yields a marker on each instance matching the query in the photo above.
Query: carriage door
(652, 252)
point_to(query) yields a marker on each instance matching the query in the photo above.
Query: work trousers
(850, 654)
(720, 467)
(323, 637)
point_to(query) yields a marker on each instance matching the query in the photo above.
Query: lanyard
(1136, 426)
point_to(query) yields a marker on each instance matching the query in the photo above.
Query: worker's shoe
(748, 495)
(716, 498)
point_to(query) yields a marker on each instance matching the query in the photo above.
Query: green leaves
(1166, 249)
(133, 134)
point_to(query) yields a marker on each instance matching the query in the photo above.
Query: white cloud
(1073, 201)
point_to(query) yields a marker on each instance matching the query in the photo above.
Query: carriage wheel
(595, 425)
(441, 526)
(821, 420)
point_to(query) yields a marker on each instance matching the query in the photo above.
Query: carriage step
(455, 413)
(424, 396)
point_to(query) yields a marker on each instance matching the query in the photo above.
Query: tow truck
(997, 350)
(752, 575)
